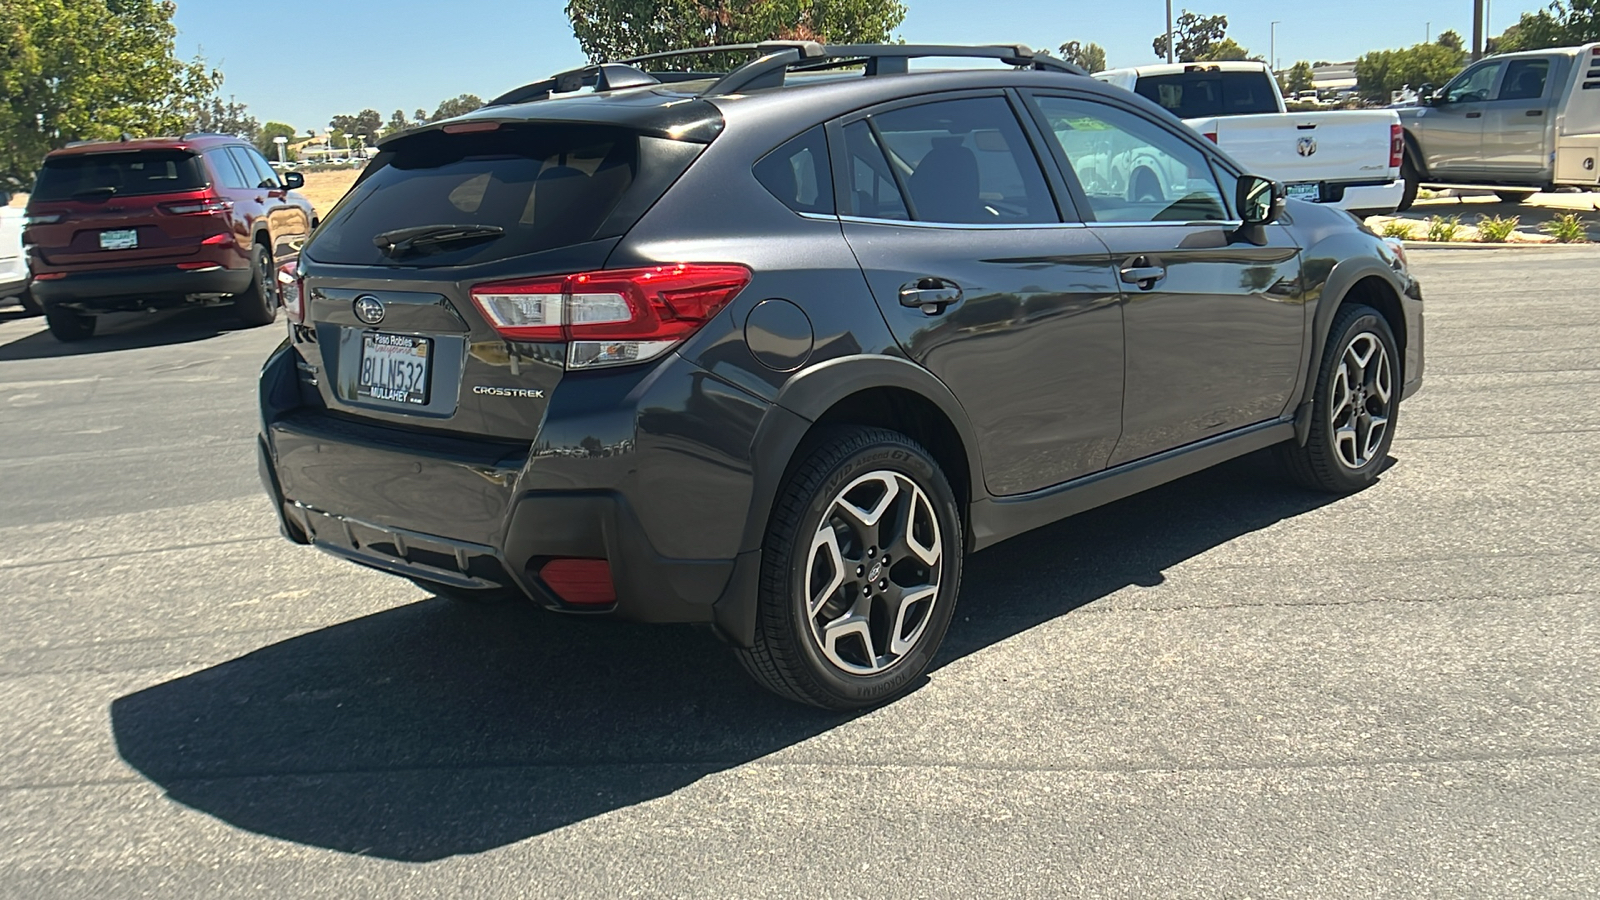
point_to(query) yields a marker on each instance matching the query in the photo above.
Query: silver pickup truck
(1518, 123)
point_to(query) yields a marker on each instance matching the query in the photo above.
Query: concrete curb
(1462, 245)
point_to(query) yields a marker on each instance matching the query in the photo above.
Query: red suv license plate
(394, 368)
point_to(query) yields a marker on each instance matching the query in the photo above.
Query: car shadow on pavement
(121, 331)
(437, 729)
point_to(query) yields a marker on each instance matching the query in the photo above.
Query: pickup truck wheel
(859, 572)
(68, 325)
(1412, 181)
(1356, 404)
(1515, 196)
(1146, 188)
(258, 305)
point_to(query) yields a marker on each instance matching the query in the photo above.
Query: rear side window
(547, 186)
(1201, 94)
(255, 169)
(101, 175)
(227, 169)
(798, 174)
(1524, 79)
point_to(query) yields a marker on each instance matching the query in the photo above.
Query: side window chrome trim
(957, 226)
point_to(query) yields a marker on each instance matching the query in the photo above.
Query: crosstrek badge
(507, 392)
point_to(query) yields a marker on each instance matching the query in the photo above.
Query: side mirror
(1260, 200)
(293, 181)
(1425, 95)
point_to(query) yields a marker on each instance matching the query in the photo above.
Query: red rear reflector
(291, 291)
(581, 582)
(470, 127)
(615, 316)
(199, 266)
(1397, 145)
(49, 276)
(218, 239)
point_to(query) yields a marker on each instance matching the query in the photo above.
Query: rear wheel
(860, 570)
(1515, 196)
(258, 305)
(1412, 182)
(1357, 402)
(1146, 188)
(478, 596)
(68, 325)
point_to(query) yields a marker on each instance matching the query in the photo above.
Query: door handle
(1139, 271)
(1535, 112)
(1476, 115)
(931, 295)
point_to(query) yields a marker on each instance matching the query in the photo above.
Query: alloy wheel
(1362, 400)
(871, 577)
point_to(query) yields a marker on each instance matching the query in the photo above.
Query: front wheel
(1356, 404)
(859, 575)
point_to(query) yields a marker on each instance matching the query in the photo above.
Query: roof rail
(602, 77)
(778, 57)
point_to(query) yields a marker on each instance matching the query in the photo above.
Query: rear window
(101, 175)
(546, 186)
(1201, 94)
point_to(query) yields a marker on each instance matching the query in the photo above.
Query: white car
(1345, 158)
(13, 261)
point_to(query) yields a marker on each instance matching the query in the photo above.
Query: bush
(1567, 229)
(1496, 229)
(1397, 228)
(1443, 230)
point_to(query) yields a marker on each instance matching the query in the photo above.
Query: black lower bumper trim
(143, 288)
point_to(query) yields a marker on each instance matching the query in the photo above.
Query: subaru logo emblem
(1306, 147)
(369, 309)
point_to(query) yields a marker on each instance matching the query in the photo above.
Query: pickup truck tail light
(1397, 145)
(291, 290)
(1211, 136)
(611, 317)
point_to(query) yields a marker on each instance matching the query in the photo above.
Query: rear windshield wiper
(399, 242)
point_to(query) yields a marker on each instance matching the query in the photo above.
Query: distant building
(1334, 77)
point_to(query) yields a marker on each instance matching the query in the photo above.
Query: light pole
(1272, 54)
(1171, 50)
(347, 137)
(281, 141)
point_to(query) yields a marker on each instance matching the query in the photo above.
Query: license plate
(394, 368)
(122, 239)
(1312, 192)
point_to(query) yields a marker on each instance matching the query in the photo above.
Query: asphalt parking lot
(1223, 688)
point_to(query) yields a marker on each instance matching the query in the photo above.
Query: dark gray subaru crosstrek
(771, 350)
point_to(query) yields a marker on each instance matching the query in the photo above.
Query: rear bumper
(146, 287)
(12, 283)
(1375, 199)
(471, 513)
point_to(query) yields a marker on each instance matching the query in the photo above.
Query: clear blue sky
(331, 57)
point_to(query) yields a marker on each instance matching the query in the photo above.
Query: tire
(1145, 188)
(476, 597)
(68, 325)
(1355, 409)
(30, 305)
(827, 633)
(258, 305)
(1515, 196)
(1412, 181)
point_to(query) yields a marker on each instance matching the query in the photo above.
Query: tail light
(291, 291)
(197, 207)
(581, 582)
(1397, 145)
(1211, 136)
(611, 317)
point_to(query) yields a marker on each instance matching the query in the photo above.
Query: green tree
(1561, 24)
(1300, 78)
(1225, 49)
(89, 69)
(617, 29)
(1382, 72)
(269, 147)
(217, 116)
(1090, 57)
(1193, 35)
(1450, 39)
(364, 125)
(458, 106)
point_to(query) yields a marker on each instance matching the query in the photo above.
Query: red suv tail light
(290, 289)
(1397, 145)
(611, 317)
(197, 207)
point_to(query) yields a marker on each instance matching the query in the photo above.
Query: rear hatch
(1310, 148)
(390, 328)
(112, 209)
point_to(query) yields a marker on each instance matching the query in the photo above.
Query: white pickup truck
(13, 262)
(1345, 158)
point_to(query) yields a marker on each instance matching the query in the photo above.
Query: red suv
(161, 222)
